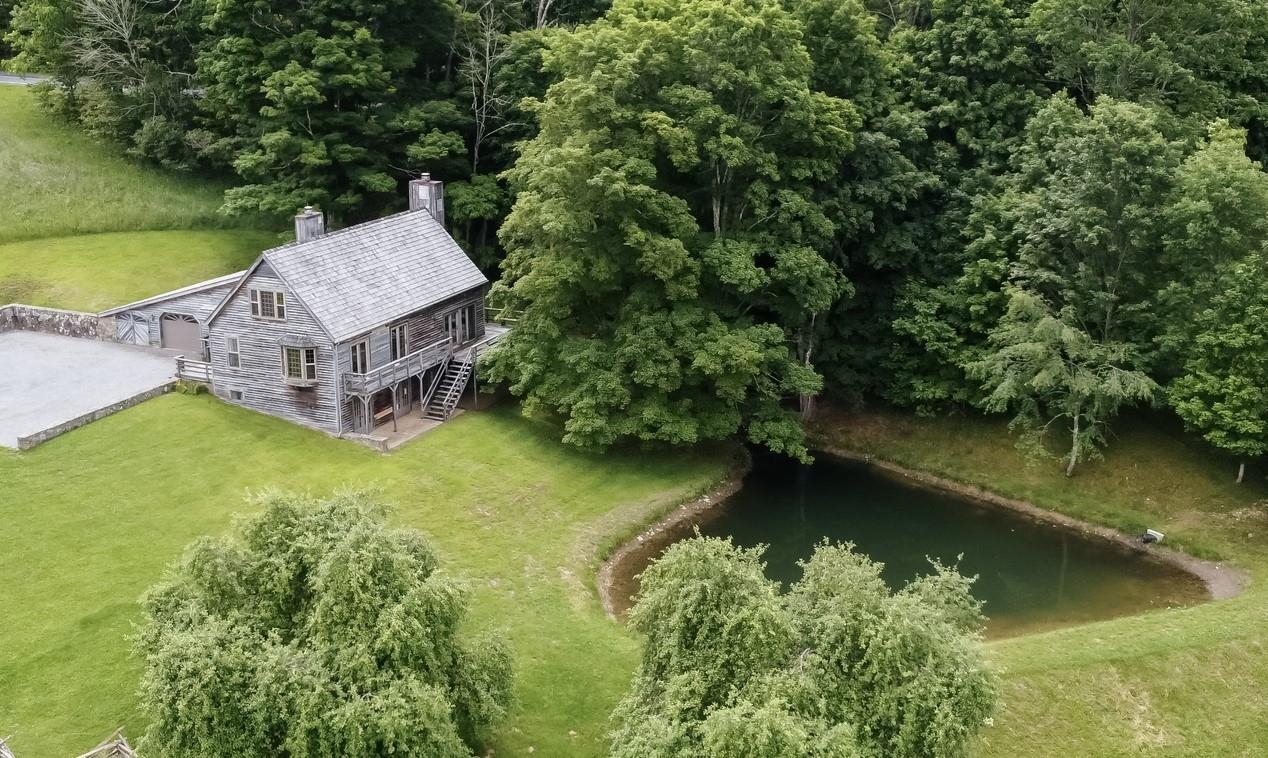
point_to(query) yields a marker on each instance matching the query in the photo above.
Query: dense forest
(709, 212)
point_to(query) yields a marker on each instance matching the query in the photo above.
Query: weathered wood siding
(196, 304)
(260, 375)
(425, 327)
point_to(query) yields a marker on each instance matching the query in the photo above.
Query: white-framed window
(360, 357)
(400, 341)
(268, 304)
(299, 363)
(233, 352)
(235, 395)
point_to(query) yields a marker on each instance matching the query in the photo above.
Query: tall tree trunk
(1241, 471)
(1074, 447)
(805, 345)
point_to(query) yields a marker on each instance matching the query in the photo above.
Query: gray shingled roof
(364, 276)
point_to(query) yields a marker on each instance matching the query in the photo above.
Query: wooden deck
(392, 374)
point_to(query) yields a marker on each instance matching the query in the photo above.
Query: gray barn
(341, 331)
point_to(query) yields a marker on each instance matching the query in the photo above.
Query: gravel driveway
(47, 379)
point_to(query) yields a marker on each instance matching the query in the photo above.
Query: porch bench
(384, 415)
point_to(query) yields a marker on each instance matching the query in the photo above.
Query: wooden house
(342, 331)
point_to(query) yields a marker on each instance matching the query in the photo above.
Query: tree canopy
(710, 212)
(666, 242)
(838, 666)
(1223, 392)
(313, 630)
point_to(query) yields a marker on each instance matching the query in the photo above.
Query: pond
(1032, 575)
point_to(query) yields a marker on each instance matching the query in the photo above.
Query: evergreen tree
(1047, 369)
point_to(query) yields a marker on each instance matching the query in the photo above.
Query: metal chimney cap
(424, 177)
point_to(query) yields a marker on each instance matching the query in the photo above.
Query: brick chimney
(427, 194)
(309, 224)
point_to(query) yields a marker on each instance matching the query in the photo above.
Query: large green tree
(879, 199)
(329, 103)
(1223, 392)
(666, 244)
(315, 630)
(839, 666)
(1216, 215)
(1080, 220)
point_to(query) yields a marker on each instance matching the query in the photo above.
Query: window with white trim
(299, 363)
(235, 394)
(361, 357)
(232, 350)
(400, 341)
(269, 304)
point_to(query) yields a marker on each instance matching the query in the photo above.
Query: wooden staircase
(451, 380)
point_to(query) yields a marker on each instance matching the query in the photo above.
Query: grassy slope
(93, 272)
(1176, 683)
(91, 518)
(58, 183)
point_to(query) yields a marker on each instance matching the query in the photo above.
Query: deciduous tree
(839, 666)
(320, 100)
(1223, 393)
(1216, 215)
(665, 245)
(315, 630)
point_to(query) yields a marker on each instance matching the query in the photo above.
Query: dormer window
(268, 304)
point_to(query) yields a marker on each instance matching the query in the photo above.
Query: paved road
(21, 80)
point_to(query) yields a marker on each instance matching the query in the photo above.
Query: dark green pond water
(1032, 575)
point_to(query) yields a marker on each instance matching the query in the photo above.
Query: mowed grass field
(92, 518)
(1177, 683)
(64, 197)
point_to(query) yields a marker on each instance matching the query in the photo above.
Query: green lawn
(84, 228)
(93, 272)
(1176, 683)
(91, 518)
(58, 182)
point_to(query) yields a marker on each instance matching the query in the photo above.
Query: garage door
(133, 328)
(181, 332)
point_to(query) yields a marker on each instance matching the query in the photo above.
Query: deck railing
(193, 371)
(483, 345)
(390, 374)
(504, 316)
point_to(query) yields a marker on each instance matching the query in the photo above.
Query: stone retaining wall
(32, 318)
(44, 435)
